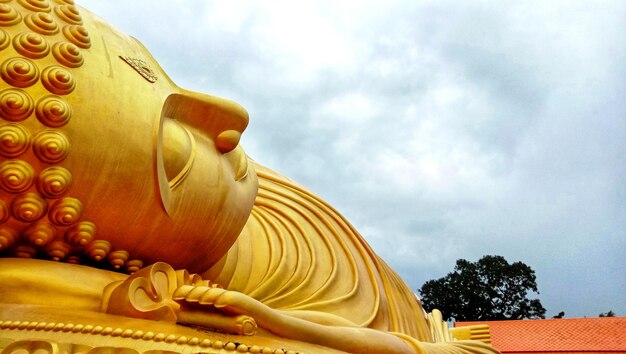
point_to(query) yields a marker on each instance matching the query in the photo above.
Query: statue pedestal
(54, 330)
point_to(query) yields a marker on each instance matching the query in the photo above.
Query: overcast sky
(440, 129)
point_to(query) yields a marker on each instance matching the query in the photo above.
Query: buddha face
(115, 164)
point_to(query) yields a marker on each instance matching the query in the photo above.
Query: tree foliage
(607, 314)
(486, 290)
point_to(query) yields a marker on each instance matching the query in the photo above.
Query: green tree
(486, 290)
(607, 314)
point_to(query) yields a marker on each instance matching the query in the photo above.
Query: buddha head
(103, 159)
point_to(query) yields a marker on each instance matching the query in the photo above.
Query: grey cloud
(443, 130)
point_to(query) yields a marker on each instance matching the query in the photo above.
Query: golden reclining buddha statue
(132, 221)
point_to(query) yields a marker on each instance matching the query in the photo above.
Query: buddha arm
(39, 282)
(350, 339)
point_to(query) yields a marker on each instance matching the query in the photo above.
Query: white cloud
(442, 130)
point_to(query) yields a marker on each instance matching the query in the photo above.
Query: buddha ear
(185, 117)
(215, 116)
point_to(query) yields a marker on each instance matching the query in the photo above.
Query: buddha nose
(221, 119)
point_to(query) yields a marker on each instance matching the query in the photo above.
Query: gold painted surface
(106, 164)
(90, 330)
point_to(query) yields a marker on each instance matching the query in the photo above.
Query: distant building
(604, 335)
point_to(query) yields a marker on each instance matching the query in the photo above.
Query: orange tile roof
(606, 335)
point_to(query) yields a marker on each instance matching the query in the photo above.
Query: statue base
(52, 330)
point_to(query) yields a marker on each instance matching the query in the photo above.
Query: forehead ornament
(141, 67)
